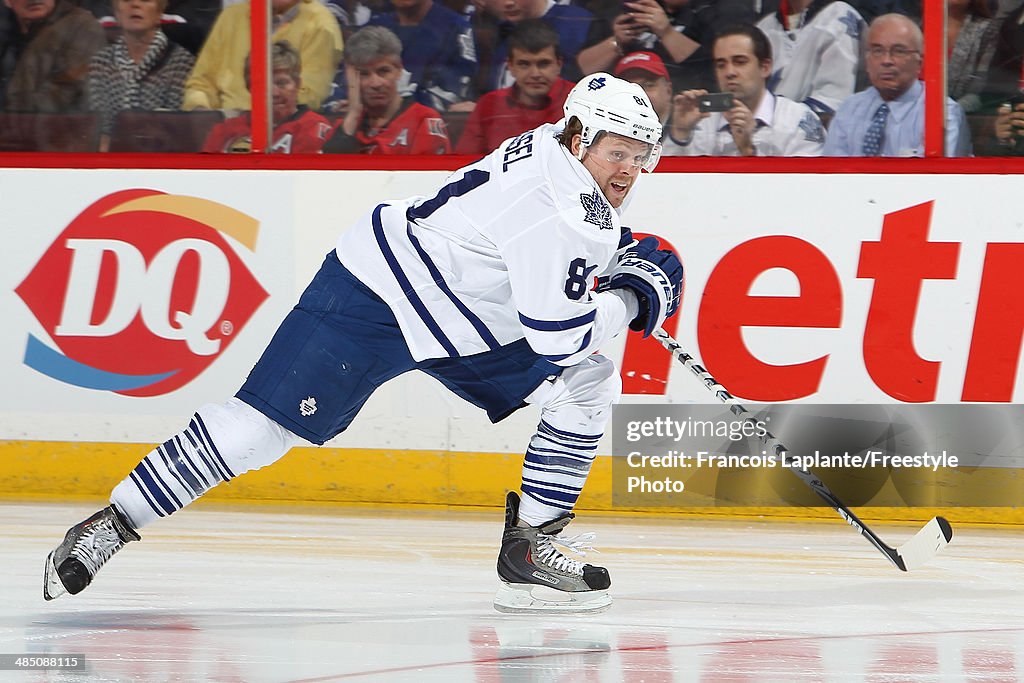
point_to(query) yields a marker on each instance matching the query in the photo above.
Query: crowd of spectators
(726, 77)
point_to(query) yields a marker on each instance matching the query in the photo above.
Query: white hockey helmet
(606, 104)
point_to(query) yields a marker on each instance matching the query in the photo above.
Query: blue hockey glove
(655, 276)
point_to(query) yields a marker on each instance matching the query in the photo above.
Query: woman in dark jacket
(45, 62)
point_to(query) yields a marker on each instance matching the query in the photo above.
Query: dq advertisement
(141, 312)
(130, 298)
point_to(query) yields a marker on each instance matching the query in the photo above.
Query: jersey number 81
(578, 281)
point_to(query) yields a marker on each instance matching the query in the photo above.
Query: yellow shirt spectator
(218, 79)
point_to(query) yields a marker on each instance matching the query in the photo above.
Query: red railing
(316, 162)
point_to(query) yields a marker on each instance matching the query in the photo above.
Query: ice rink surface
(337, 594)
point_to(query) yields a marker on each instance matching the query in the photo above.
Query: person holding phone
(679, 32)
(1009, 127)
(745, 119)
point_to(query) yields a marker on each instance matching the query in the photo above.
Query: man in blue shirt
(437, 50)
(572, 23)
(887, 119)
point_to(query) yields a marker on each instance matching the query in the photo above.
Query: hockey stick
(925, 544)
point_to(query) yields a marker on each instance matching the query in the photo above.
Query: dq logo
(141, 292)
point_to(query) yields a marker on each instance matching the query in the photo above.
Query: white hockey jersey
(817, 61)
(507, 249)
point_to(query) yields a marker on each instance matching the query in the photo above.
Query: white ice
(336, 594)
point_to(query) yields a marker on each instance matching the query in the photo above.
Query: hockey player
(486, 286)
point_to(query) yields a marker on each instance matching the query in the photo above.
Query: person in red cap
(536, 97)
(647, 70)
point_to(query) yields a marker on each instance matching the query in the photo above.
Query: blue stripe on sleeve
(552, 501)
(190, 465)
(159, 479)
(558, 325)
(818, 107)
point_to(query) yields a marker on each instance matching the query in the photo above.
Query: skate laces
(549, 553)
(96, 545)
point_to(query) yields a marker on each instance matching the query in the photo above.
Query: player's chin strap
(925, 544)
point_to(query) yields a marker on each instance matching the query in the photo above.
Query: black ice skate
(537, 577)
(86, 547)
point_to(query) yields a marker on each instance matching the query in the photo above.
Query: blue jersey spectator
(437, 50)
(573, 25)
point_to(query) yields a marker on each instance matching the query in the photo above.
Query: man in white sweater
(817, 47)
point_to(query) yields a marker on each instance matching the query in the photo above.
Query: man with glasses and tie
(887, 119)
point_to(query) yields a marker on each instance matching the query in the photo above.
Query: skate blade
(52, 587)
(525, 598)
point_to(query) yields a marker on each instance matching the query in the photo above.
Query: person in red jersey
(297, 130)
(379, 120)
(536, 97)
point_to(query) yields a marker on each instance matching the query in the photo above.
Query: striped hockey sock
(555, 469)
(173, 475)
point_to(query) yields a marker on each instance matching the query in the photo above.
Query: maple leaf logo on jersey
(852, 22)
(812, 128)
(307, 406)
(598, 211)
